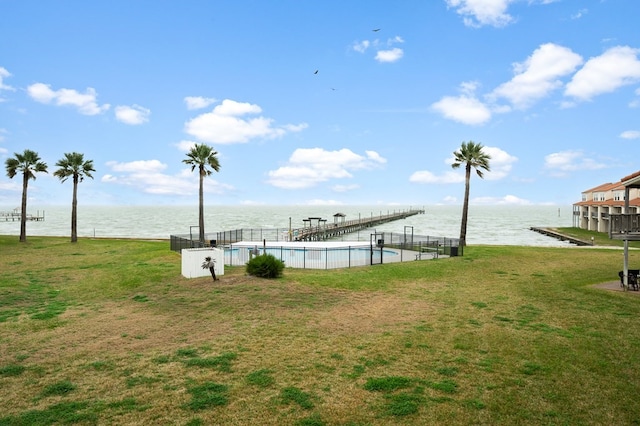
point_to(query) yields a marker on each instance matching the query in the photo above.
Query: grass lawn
(109, 332)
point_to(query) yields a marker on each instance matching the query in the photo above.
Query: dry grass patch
(499, 336)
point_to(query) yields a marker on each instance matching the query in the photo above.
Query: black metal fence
(382, 247)
(314, 257)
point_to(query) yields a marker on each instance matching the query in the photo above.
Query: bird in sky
(376, 30)
(316, 72)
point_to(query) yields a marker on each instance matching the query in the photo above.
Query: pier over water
(15, 215)
(318, 228)
(314, 229)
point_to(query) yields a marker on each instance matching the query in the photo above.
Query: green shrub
(265, 266)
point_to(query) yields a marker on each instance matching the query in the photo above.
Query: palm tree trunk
(23, 208)
(201, 207)
(74, 211)
(465, 206)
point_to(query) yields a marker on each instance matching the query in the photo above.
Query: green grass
(262, 378)
(207, 395)
(387, 383)
(599, 238)
(292, 394)
(59, 389)
(109, 332)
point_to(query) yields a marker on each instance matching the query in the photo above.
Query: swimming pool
(315, 255)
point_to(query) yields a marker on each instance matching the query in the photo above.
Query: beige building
(597, 204)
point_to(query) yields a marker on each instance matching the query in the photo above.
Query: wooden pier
(319, 229)
(551, 233)
(15, 216)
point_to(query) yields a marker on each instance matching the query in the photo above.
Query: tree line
(73, 165)
(204, 158)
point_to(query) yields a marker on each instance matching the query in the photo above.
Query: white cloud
(538, 75)
(465, 109)
(510, 200)
(345, 188)
(85, 102)
(309, 167)
(198, 102)
(375, 157)
(630, 134)
(561, 163)
(426, 176)
(294, 128)
(11, 185)
(361, 46)
(140, 166)
(148, 176)
(4, 74)
(185, 145)
(226, 124)
(133, 115)
(617, 67)
(391, 55)
(500, 164)
(477, 13)
(580, 13)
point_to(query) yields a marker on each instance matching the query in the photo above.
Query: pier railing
(16, 215)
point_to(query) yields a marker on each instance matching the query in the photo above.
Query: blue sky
(326, 102)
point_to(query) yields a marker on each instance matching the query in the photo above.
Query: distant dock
(319, 229)
(562, 237)
(16, 216)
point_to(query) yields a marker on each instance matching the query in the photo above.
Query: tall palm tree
(28, 163)
(74, 165)
(472, 156)
(204, 158)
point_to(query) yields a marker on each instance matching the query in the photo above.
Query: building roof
(633, 180)
(599, 188)
(634, 202)
(630, 180)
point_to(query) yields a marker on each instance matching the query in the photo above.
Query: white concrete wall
(192, 260)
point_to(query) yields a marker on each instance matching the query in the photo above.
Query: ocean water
(493, 225)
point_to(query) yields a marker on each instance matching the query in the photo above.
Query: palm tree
(28, 163)
(74, 165)
(472, 156)
(202, 156)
